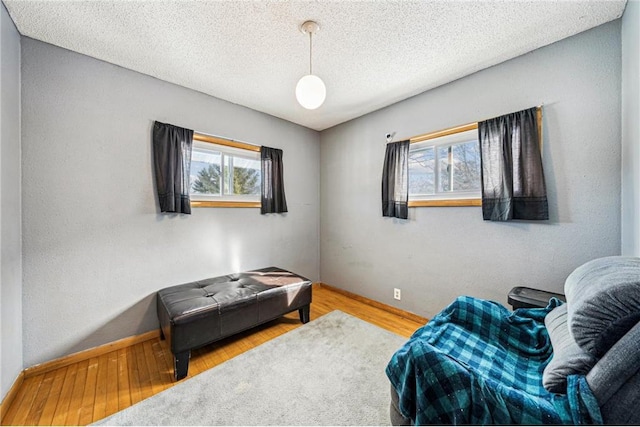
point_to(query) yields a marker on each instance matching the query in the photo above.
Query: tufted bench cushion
(195, 314)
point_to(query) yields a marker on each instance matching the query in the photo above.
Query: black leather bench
(195, 314)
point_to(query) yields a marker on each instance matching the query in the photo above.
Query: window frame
(450, 131)
(206, 202)
(454, 199)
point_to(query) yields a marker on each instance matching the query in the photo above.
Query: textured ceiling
(370, 54)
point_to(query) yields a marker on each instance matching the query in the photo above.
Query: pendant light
(310, 90)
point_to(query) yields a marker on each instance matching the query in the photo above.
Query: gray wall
(95, 247)
(631, 129)
(10, 207)
(440, 253)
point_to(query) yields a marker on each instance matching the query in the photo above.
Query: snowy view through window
(444, 169)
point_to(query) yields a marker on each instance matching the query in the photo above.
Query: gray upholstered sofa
(594, 336)
(603, 316)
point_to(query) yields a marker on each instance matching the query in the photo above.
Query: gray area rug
(327, 372)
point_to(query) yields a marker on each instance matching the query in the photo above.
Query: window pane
(245, 178)
(444, 169)
(466, 173)
(228, 176)
(459, 167)
(421, 171)
(205, 172)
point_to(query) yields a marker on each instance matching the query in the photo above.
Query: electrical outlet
(396, 293)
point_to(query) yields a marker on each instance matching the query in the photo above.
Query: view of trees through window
(444, 169)
(217, 173)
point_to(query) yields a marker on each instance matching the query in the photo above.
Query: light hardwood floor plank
(124, 394)
(134, 377)
(30, 387)
(75, 404)
(144, 379)
(16, 405)
(100, 403)
(112, 384)
(89, 396)
(40, 399)
(51, 403)
(66, 392)
(168, 358)
(152, 366)
(164, 369)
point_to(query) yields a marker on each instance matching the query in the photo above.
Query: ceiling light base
(309, 27)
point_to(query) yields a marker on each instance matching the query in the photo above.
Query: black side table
(523, 297)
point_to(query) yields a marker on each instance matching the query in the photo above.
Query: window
(223, 175)
(445, 170)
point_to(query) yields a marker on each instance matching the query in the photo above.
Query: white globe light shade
(311, 92)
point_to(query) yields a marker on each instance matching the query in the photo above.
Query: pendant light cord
(310, 52)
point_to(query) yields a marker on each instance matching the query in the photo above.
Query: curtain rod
(463, 128)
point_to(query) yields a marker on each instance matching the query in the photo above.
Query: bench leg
(181, 365)
(304, 313)
(161, 334)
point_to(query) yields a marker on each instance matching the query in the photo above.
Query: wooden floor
(90, 390)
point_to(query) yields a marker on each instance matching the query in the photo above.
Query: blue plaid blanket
(476, 362)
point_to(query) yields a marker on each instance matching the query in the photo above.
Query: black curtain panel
(513, 184)
(172, 163)
(273, 199)
(395, 180)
